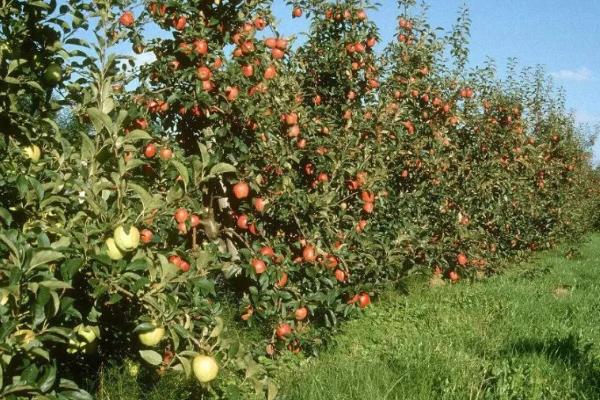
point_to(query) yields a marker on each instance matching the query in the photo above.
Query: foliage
(235, 171)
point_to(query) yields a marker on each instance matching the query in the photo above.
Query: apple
(301, 313)
(248, 70)
(127, 241)
(283, 280)
(241, 190)
(283, 330)
(146, 236)
(201, 47)
(308, 254)
(231, 93)
(203, 73)
(113, 251)
(267, 251)
(242, 222)
(150, 150)
(181, 215)
(340, 275)
(259, 266)
(363, 300)
(195, 220)
(33, 152)
(152, 337)
(453, 275)
(462, 259)
(53, 74)
(175, 260)
(271, 42)
(331, 261)
(180, 23)
(127, 19)
(205, 368)
(259, 204)
(165, 154)
(184, 266)
(270, 72)
(291, 118)
(277, 54)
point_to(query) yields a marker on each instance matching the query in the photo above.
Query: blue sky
(563, 37)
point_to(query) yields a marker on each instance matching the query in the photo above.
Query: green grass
(531, 333)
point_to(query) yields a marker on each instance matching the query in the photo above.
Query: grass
(531, 333)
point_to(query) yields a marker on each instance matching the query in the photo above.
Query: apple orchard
(244, 181)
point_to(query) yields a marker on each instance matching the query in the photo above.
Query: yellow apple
(153, 337)
(33, 152)
(127, 241)
(25, 336)
(205, 368)
(113, 251)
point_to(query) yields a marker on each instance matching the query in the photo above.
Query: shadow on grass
(569, 351)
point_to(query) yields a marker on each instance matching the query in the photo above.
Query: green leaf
(36, 86)
(222, 168)
(204, 154)
(144, 327)
(44, 257)
(182, 171)
(77, 395)
(100, 120)
(187, 367)
(151, 357)
(53, 124)
(6, 215)
(136, 136)
(88, 148)
(148, 202)
(55, 284)
(48, 379)
(218, 328)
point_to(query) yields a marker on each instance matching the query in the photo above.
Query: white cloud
(579, 75)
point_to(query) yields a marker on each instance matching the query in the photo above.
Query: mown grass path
(531, 333)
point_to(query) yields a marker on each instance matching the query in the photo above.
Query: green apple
(152, 337)
(53, 74)
(113, 251)
(127, 241)
(33, 152)
(205, 368)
